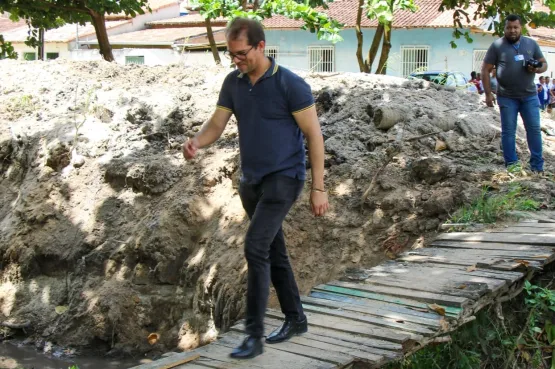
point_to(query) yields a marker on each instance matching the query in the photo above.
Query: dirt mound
(107, 235)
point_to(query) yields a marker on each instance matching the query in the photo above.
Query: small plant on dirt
(489, 208)
(536, 342)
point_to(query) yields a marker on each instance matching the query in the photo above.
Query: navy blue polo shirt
(270, 141)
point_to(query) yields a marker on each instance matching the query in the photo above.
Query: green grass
(488, 207)
(524, 339)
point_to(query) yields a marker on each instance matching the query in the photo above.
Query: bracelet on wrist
(318, 190)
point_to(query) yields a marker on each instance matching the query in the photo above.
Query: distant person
(543, 93)
(515, 56)
(480, 85)
(275, 111)
(475, 81)
(551, 98)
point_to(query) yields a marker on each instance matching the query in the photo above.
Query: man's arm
(209, 133)
(486, 82)
(213, 128)
(308, 123)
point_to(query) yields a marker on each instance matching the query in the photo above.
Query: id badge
(519, 57)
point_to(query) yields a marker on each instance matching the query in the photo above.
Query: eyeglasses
(241, 55)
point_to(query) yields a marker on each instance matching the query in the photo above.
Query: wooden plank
(354, 327)
(450, 253)
(386, 314)
(471, 257)
(367, 345)
(273, 358)
(408, 327)
(220, 357)
(204, 363)
(372, 304)
(400, 267)
(472, 290)
(509, 276)
(170, 361)
(353, 352)
(437, 278)
(313, 353)
(534, 225)
(492, 246)
(428, 297)
(527, 230)
(529, 239)
(452, 311)
(378, 347)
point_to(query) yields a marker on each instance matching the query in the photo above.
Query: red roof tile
(65, 33)
(345, 11)
(160, 35)
(7, 25)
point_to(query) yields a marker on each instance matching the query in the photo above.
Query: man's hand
(490, 100)
(190, 148)
(531, 69)
(319, 203)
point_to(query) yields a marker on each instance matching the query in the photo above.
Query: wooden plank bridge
(378, 315)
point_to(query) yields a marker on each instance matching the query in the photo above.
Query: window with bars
(321, 58)
(414, 59)
(135, 60)
(29, 56)
(272, 51)
(478, 59)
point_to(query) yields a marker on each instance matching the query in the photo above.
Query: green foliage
(525, 338)
(314, 21)
(488, 208)
(382, 10)
(491, 9)
(6, 50)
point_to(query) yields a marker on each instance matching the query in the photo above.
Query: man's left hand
(531, 69)
(319, 203)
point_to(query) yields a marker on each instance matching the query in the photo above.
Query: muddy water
(14, 357)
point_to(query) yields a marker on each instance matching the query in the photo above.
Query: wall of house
(293, 49)
(50, 47)
(151, 56)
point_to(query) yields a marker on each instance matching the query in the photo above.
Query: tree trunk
(41, 44)
(360, 41)
(99, 23)
(244, 4)
(212, 42)
(386, 46)
(256, 5)
(373, 51)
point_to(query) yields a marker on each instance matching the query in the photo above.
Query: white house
(419, 40)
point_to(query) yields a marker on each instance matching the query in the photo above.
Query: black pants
(267, 204)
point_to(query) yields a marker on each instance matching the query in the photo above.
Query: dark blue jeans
(529, 109)
(267, 204)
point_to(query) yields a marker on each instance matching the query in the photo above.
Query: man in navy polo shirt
(274, 109)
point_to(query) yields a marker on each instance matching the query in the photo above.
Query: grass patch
(488, 207)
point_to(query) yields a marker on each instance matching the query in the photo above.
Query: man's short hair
(513, 18)
(244, 26)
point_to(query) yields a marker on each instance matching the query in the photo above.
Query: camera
(534, 63)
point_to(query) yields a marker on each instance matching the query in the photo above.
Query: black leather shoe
(288, 329)
(250, 348)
